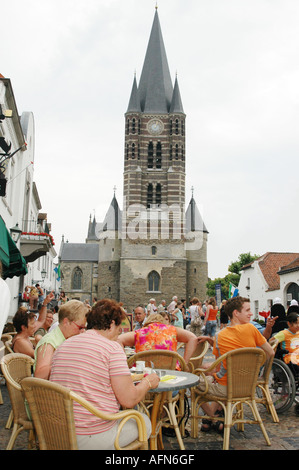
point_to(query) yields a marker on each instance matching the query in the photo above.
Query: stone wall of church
(197, 267)
(89, 280)
(108, 280)
(139, 259)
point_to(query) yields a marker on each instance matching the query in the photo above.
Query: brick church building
(152, 247)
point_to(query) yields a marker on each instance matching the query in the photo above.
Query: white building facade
(270, 276)
(20, 205)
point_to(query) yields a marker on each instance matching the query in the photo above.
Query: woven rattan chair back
(159, 358)
(198, 356)
(51, 407)
(15, 367)
(243, 366)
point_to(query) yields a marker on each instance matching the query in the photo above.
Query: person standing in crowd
(33, 297)
(172, 304)
(41, 294)
(151, 307)
(195, 316)
(177, 315)
(210, 321)
(162, 307)
(223, 315)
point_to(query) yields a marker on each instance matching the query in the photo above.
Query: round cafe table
(162, 393)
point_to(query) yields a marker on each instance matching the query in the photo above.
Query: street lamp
(15, 233)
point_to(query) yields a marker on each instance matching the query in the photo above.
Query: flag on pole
(57, 271)
(233, 291)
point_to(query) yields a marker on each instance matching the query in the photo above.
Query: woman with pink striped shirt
(94, 365)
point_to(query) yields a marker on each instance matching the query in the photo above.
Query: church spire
(155, 86)
(176, 103)
(134, 103)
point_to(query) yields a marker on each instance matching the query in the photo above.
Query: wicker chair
(243, 366)
(51, 407)
(15, 367)
(196, 360)
(263, 385)
(5, 337)
(8, 346)
(173, 405)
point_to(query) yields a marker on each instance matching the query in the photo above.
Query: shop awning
(13, 262)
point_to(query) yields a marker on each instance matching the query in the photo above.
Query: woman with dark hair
(26, 325)
(94, 365)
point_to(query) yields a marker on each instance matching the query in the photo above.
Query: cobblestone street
(283, 436)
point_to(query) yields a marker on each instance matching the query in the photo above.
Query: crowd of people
(55, 337)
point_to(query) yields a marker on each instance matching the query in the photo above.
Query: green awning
(13, 262)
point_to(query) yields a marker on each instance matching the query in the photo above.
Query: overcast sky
(72, 63)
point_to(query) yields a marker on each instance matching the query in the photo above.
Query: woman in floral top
(156, 334)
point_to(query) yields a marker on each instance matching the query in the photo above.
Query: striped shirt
(84, 363)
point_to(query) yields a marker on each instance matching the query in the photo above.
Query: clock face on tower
(155, 126)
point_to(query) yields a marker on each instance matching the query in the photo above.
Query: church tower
(154, 157)
(151, 248)
(154, 262)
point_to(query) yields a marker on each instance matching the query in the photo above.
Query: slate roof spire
(176, 103)
(155, 85)
(134, 103)
(194, 221)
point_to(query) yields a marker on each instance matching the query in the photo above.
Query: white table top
(190, 380)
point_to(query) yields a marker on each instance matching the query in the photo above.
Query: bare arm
(44, 361)
(190, 340)
(43, 311)
(127, 339)
(128, 394)
(268, 350)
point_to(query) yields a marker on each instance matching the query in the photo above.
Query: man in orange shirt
(240, 333)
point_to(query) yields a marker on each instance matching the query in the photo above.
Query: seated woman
(158, 334)
(72, 320)
(94, 365)
(26, 325)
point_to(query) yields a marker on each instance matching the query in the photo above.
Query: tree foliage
(233, 275)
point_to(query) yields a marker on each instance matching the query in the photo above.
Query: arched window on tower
(170, 125)
(150, 192)
(159, 155)
(133, 126)
(158, 194)
(133, 150)
(77, 279)
(176, 152)
(138, 152)
(183, 127)
(128, 126)
(170, 152)
(153, 281)
(127, 152)
(139, 126)
(150, 155)
(183, 153)
(177, 127)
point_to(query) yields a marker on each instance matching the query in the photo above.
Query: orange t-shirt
(235, 337)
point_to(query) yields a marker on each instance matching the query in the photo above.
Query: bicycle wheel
(282, 386)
